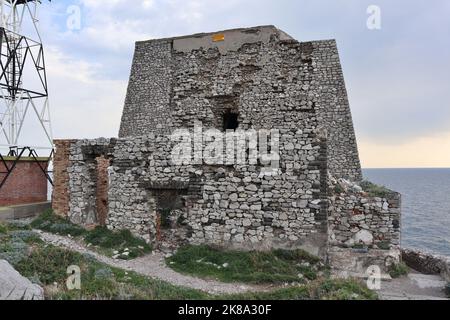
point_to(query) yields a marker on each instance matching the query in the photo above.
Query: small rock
(13, 286)
(364, 236)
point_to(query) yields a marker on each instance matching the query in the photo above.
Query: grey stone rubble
(13, 286)
(154, 266)
(268, 81)
(427, 263)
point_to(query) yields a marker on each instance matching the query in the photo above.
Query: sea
(425, 205)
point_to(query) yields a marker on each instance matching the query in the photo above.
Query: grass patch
(322, 289)
(375, 190)
(48, 266)
(276, 266)
(398, 270)
(15, 245)
(121, 244)
(52, 223)
(339, 289)
(384, 245)
(3, 228)
(301, 292)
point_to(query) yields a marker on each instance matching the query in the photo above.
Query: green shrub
(292, 293)
(13, 251)
(19, 225)
(3, 228)
(103, 273)
(384, 245)
(317, 290)
(375, 190)
(447, 289)
(338, 189)
(398, 270)
(118, 241)
(277, 266)
(52, 223)
(48, 264)
(26, 236)
(339, 289)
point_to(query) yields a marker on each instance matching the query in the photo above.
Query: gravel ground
(153, 265)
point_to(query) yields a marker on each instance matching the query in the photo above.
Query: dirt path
(153, 265)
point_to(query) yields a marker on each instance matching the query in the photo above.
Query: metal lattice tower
(23, 81)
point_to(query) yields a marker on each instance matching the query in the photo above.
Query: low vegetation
(276, 266)
(398, 270)
(52, 223)
(3, 228)
(121, 244)
(118, 244)
(375, 190)
(447, 289)
(47, 265)
(322, 289)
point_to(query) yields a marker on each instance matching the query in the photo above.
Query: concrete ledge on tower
(362, 263)
(23, 211)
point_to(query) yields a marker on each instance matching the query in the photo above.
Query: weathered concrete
(23, 211)
(415, 286)
(15, 287)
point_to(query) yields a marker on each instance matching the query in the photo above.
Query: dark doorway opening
(230, 120)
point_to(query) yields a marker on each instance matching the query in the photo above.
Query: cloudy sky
(398, 77)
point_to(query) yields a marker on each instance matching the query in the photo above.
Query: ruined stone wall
(427, 263)
(269, 79)
(360, 219)
(231, 206)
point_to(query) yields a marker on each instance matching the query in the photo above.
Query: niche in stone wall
(230, 120)
(170, 209)
(95, 186)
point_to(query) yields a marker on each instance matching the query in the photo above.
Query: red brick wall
(26, 183)
(102, 189)
(60, 196)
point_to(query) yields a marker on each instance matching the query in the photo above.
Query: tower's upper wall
(261, 74)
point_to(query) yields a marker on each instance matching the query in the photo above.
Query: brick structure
(60, 196)
(102, 189)
(26, 184)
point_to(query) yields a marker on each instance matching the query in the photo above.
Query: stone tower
(253, 73)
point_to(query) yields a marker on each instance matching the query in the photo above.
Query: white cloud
(396, 78)
(83, 105)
